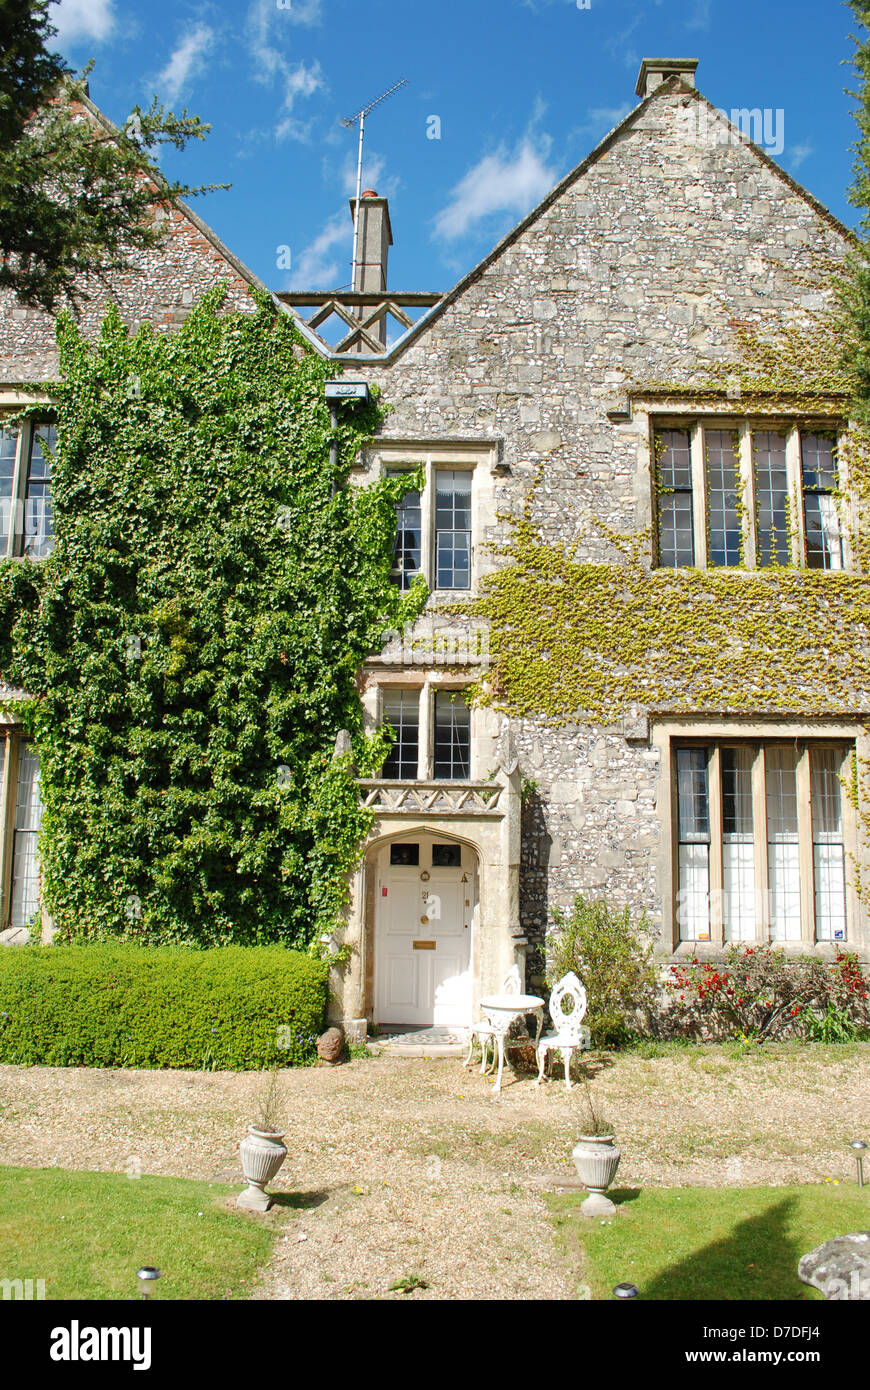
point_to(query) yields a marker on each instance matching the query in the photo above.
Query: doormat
(419, 1042)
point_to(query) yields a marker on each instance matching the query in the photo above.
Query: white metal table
(501, 1010)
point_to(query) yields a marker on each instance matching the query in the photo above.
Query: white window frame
(668, 735)
(426, 689)
(479, 457)
(651, 420)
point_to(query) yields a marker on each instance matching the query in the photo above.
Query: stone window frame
(12, 400)
(13, 737)
(668, 732)
(649, 416)
(480, 457)
(426, 685)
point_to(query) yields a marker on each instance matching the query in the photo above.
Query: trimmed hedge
(233, 1008)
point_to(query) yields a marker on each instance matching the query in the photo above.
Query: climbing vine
(575, 639)
(191, 644)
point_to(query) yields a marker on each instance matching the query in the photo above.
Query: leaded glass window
(693, 816)
(723, 492)
(783, 853)
(674, 490)
(402, 710)
(452, 737)
(8, 454)
(453, 529)
(777, 849)
(26, 512)
(829, 864)
(771, 498)
(25, 835)
(408, 556)
(38, 510)
(821, 522)
(738, 848)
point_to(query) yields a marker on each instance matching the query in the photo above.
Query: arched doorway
(426, 896)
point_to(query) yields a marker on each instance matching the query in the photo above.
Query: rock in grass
(840, 1268)
(330, 1045)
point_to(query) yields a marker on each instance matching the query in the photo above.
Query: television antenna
(349, 124)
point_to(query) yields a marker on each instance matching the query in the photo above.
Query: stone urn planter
(262, 1153)
(596, 1159)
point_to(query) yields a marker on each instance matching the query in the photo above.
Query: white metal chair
(569, 1031)
(484, 1031)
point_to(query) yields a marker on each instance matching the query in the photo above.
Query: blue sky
(523, 89)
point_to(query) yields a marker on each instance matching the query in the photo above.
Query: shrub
(760, 992)
(120, 1005)
(613, 961)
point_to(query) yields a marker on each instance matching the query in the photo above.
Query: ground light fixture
(626, 1291)
(146, 1277)
(859, 1146)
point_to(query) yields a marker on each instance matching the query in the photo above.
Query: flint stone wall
(632, 275)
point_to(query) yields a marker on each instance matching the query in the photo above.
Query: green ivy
(572, 640)
(191, 645)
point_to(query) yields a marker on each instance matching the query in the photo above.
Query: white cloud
(186, 62)
(301, 82)
(606, 118)
(292, 129)
(617, 45)
(302, 11)
(373, 168)
(798, 154)
(498, 183)
(318, 266)
(373, 174)
(699, 19)
(82, 19)
(271, 65)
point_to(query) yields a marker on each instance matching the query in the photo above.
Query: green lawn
(86, 1234)
(706, 1243)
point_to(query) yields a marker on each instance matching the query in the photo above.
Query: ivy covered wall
(191, 644)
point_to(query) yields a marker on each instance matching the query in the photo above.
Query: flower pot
(596, 1159)
(262, 1154)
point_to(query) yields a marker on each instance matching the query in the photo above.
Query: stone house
(558, 376)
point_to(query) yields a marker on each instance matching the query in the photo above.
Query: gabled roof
(672, 84)
(206, 231)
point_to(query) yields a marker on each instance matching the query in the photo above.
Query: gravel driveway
(407, 1169)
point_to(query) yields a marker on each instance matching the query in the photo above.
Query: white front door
(423, 943)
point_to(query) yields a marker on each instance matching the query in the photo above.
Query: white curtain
(25, 859)
(783, 848)
(829, 869)
(738, 848)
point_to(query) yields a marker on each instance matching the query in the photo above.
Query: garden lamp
(626, 1291)
(146, 1276)
(859, 1146)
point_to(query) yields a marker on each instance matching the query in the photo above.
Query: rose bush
(760, 992)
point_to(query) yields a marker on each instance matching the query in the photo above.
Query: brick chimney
(375, 240)
(655, 71)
